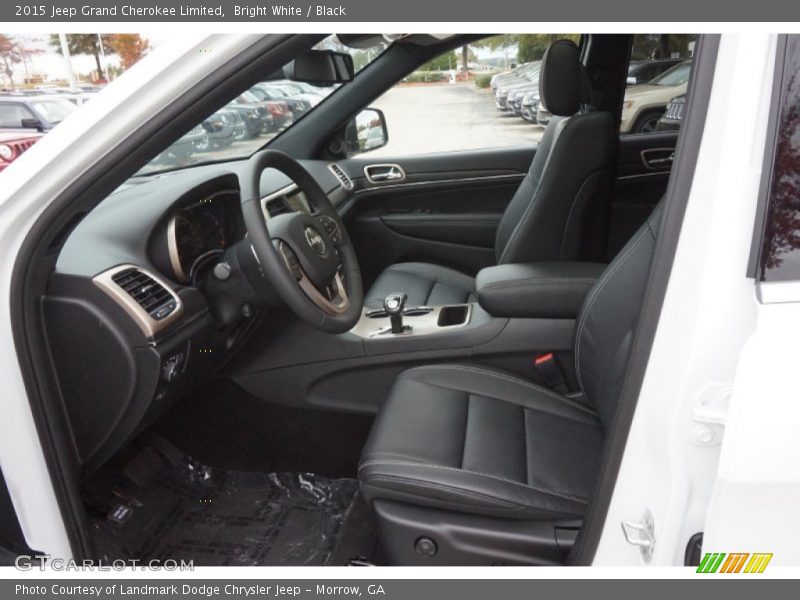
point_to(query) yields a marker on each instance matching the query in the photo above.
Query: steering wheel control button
(425, 546)
(331, 228)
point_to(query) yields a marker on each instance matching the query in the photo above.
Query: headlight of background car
(6, 152)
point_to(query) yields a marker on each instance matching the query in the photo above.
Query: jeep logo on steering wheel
(316, 241)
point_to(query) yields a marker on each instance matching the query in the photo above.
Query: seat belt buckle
(548, 368)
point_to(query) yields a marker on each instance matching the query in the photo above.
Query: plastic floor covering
(189, 511)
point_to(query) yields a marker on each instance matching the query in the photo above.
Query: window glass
(11, 115)
(780, 251)
(255, 117)
(484, 95)
(53, 111)
(658, 76)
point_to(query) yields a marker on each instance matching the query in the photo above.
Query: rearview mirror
(321, 67)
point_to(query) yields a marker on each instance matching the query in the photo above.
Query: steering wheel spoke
(308, 258)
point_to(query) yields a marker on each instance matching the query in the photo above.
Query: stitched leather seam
(506, 504)
(469, 472)
(508, 378)
(572, 207)
(601, 283)
(536, 281)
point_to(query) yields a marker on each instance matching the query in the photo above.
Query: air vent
(277, 207)
(153, 297)
(347, 183)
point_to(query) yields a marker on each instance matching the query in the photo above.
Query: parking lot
(445, 117)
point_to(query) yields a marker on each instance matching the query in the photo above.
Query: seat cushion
(482, 441)
(425, 284)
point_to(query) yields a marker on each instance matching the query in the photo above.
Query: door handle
(658, 158)
(384, 173)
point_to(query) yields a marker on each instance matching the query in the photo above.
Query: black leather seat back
(570, 172)
(605, 327)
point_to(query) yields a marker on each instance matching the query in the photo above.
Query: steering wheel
(309, 258)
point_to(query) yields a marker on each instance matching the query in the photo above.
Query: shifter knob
(393, 304)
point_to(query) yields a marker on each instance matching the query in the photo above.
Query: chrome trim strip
(510, 176)
(149, 326)
(778, 292)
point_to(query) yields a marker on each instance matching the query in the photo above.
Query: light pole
(73, 83)
(103, 55)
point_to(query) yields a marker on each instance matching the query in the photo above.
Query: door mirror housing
(31, 123)
(366, 131)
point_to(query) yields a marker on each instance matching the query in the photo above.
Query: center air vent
(347, 183)
(153, 297)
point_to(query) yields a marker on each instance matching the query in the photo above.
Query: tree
(130, 47)
(85, 43)
(660, 45)
(10, 55)
(443, 62)
(532, 46)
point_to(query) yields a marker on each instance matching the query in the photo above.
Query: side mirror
(321, 67)
(370, 129)
(31, 123)
(631, 81)
(367, 131)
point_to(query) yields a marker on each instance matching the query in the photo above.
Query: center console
(416, 320)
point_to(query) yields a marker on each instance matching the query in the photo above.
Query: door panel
(446, 209)
(642, 176)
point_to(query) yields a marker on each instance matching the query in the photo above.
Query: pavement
(445, 117)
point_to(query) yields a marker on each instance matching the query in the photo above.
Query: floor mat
(217, 517)
(223, 425)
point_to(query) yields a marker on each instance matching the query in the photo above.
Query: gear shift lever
(393, 304)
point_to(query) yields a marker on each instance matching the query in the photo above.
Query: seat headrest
(563, 81)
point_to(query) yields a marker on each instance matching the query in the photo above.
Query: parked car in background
(13, 144)
(33, 113)
(279, 109)
(643, 71)
(222, 129)
(644, 104)
(528, 82)
(180, 151)
(673, 116)
(506, 76)
(255, 114)
(265, 92)
(530, 106)
(305, 92)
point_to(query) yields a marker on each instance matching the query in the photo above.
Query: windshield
(52, 111)
(677, 75)
(255, 117)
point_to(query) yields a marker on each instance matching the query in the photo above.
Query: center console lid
(541, 290)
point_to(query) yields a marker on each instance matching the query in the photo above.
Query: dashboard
(127, 319)
(203, 230)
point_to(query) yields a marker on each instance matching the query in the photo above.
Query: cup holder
(453, 315)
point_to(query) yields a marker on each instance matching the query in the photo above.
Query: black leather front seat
(489, 467)
(569, 173)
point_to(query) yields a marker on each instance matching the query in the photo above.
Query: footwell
(189, 511)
